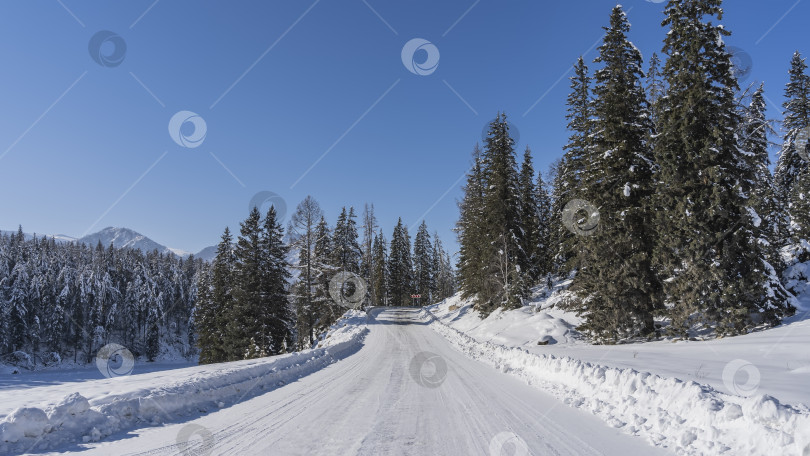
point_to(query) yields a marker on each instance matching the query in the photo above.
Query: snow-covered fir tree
(713, 269)
(567, 185)
(400, 267)
(423, 272)
(617, 287)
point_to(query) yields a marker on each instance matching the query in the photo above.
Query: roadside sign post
(415, 299)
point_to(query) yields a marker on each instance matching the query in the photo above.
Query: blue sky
(281, 84)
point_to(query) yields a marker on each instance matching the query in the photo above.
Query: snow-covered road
(384, 400)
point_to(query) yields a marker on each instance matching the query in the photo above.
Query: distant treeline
(67, 300)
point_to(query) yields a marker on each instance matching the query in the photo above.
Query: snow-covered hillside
(778, 357)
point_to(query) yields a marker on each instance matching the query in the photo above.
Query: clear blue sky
(77, 135)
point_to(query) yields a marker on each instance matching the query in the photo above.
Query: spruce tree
(277, 317)
(400, 267)
(152, 338)
(502, 238)
(796, 118)
(205, 316)
(543, 254)
(755, 129)
(655, 87)
(214, 319)
(379, 273)
(567, 184)
(444, 281)
(529, 220)
(470, 230)
(423, 263)
(616, 284)
(790, 176)
(713, 269)
(245, 321)
(345, 247)
(326, 310)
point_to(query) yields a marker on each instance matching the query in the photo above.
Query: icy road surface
(380, 401)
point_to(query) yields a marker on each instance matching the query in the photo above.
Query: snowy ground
(780, 356)
(712, 397)
(38, 418)
(64, 377)
(403, 390)
(440, 381)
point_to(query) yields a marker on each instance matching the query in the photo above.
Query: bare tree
(369, 228)
(302, 239)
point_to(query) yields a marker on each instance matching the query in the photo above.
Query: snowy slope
(207, 254)
(778, 356)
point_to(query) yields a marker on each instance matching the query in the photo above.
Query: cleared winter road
(371, 404)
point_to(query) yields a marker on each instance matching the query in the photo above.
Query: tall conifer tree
(423, 263)
(469, 230)
(379, 281)
(713, 268)
(567, 183)
(503, 238)
(616, 283)
(400, 267)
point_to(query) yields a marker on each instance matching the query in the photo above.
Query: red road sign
(416, 296)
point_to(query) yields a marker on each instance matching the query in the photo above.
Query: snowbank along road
(406, 392)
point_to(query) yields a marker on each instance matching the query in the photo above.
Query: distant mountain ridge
(126, 238)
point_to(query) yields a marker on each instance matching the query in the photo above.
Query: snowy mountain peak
(123, 237)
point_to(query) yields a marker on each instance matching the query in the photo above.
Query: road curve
(406, 392)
